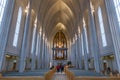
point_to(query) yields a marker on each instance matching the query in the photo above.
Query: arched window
(2, 8)
(117, 8)
(102, 30)
(17, 29)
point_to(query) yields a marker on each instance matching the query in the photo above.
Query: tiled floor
(60, 76)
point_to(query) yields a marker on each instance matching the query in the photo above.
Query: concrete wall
(10, 49)
(109, 48)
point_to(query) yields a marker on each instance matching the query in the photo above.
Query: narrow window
(17, 29)
(2, 9)
(102, 30)
(117, 8)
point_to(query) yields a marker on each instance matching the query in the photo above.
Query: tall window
(17, 29)
(102, 30)
(2, 8)
(117, 7)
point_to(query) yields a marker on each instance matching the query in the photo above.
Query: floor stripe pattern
(60, 76)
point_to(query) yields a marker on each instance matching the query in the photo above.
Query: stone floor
(60, 76)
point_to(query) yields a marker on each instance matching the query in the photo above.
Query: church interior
(60, 39)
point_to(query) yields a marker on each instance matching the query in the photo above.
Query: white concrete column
(44, 56)
(33, 52)
(71, 54)
(43, 52)
(39, 51)
(47, 57)
(85, 51)
(80, 51)
(74, 55)
(114, 28)
(5, 25)
(94, 49)
(24, 43)
(77, 53)
(50, 55)
(69, 51)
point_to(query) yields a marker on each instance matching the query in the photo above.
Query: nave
(38, 34)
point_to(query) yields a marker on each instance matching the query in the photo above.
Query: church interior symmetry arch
(38, 34)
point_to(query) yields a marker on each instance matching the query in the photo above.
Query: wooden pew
(97, 78)
(23, 78)
(49, 74)
(69, 74)
(0, 75)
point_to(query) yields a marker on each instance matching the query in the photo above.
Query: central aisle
(60, 76)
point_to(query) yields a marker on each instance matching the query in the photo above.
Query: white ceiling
(52, 14)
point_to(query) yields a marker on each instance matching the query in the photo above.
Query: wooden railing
(108, 77)
(23, 78)
(97, 78)
(49, 74)
(69, 74)
(112, 74)
(0, 75)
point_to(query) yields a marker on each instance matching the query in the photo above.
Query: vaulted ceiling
(55, 15)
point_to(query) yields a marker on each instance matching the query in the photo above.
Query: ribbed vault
(54, 13)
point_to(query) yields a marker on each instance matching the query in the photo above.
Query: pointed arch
(59, 46)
